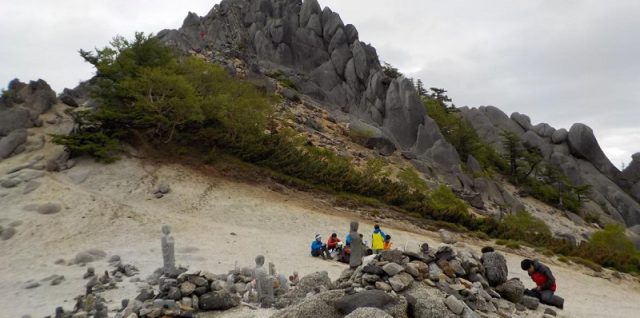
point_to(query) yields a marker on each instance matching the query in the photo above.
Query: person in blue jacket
(319, 249)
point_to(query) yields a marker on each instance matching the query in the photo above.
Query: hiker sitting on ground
(319, 249)
(387, 242)
(333, 241)
(377, 239)
(545, 283)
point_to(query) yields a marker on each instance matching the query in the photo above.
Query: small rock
(7, 233)
(448, 237)
(383, 286)
(163, 188)
(114, 259)
(57, 280)
(48, 208)
(455, 305)
(530, 302)
(187, 288)
(90, 273)
(31, 186)
(400, 281)
(392, 269)
(31, 285)
(9, 183)
(550, 312)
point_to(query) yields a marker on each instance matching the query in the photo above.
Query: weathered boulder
(454, 304)
(530, 302)
(368, 312)
(559, 136)
(631, 174)
(448, 237)
(309, 307)
(12, 118)
(392, 269)
(427, 302)
(403, 112)
(543, 130)
(9, 143)
(512, 290)
(218, 300)
(495, 268)
(401, 281)
(521, 119)
(583, 144)
(89, 256)
(368, 298)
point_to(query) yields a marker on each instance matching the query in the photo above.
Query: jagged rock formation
(631, 175)
(576, 152)
(327, 61)
(20, 108)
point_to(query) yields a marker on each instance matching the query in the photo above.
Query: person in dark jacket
(545, 283)
(319, 249)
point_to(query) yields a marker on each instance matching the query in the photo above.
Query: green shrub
(410, 177)
(360, 136)
(96, 144)
(513, 245)
(563, 259)
(610, 247)
(523, 226)
(502, 242)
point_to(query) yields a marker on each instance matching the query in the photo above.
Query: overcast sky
(559, 62)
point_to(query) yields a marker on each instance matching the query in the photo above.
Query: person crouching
(545, 283)
(319, 249)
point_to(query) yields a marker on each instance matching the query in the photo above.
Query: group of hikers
(336, 248)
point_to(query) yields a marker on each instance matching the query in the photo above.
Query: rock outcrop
(20, 108)
(327, 61)
(576, 152)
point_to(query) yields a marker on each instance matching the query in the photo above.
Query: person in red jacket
(332, 242)
(545, 283)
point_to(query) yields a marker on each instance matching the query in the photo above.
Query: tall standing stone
(168, 250)
(357, 247)
(264, 284)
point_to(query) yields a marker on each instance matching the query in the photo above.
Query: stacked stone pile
(450, 281)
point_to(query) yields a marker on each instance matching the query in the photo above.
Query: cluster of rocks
(20, 108)
(448, 282)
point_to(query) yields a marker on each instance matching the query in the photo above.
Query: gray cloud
(560, 62)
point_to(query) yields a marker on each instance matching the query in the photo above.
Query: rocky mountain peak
(326, 60)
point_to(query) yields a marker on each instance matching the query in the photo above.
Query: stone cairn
(168, 250)
(450, 281)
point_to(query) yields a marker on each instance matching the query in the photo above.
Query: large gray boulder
(368, 312)
(319, 305)
(543, 130)
(369, 298)
(13, 118)
(426, 302)
(309, 7)
(583, 144)
(495, 268)
(218, 300)
(512, 290)
(631, 173)
(521, 119)
(559, 136)
(9, 143)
